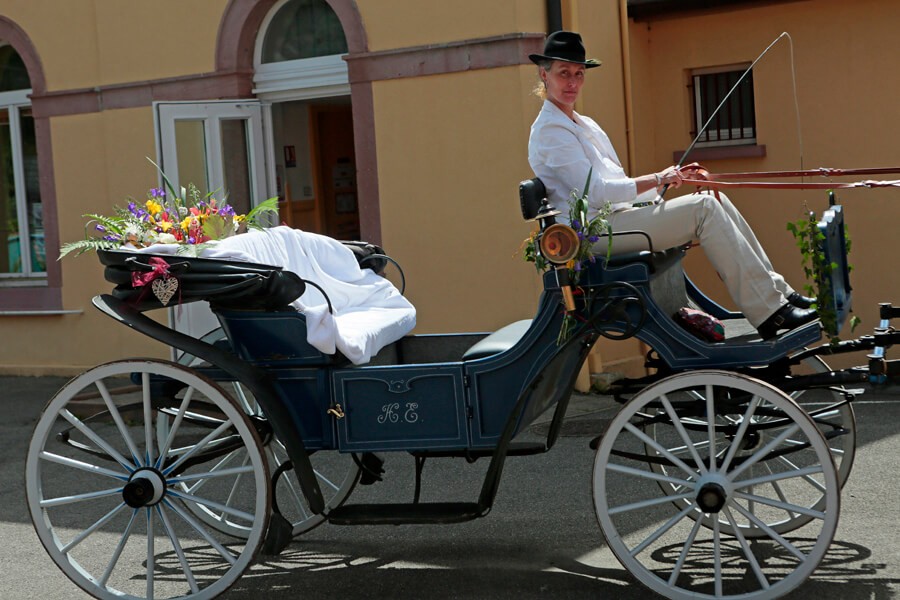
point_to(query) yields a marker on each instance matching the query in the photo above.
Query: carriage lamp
(559, 244)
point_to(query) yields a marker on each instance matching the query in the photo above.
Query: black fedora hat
(566, 46)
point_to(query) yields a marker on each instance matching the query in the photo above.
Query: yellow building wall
(99, 162)
(451, 151)
(847, 85)
(452, 148)
(405, 23)
(448, 172)
(88, 43)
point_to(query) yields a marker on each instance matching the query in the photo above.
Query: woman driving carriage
(565, 146)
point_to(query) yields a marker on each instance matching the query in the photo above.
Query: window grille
(735, 123)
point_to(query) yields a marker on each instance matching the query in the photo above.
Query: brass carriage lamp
(558, 245)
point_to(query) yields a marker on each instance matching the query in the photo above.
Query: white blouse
(562, 152)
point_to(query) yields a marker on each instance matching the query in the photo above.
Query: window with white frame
(22, 254)
(735, 123)
(299, 55)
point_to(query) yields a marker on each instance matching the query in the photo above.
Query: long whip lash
(735, 86)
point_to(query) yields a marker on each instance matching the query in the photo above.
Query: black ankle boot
(800, 301)
(786, 317)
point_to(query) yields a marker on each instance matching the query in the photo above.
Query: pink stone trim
(49, 296)
(466, 55)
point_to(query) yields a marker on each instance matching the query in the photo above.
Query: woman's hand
(695, 171)
(669, 177)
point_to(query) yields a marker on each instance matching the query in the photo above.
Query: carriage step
(514, 449)
(405, 514)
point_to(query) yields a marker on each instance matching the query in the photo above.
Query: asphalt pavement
(541, 539)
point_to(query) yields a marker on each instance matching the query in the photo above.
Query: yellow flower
(154, 208)
(186, 224)
(164, 225)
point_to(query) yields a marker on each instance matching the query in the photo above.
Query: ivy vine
(817, 270)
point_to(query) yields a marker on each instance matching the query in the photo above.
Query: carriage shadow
(351, 570)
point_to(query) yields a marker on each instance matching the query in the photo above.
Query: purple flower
(112, 238)
(157, 193)
(576, 225)
(226, 210)
(577, 266)
(594, 238)
(100, 228)
(192, 240)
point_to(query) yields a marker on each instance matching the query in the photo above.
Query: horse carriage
(719, 476)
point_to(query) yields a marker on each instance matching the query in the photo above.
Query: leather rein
(733, 180)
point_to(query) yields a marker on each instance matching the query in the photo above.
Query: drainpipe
(554, 16)
(629, 113)
(626, 82)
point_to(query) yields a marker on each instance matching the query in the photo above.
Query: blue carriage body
(458, 392)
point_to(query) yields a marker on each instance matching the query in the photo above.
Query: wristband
(658, 180)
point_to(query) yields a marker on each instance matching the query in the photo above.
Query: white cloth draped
(369, 312)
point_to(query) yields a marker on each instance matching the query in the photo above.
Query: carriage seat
(500, 341)
(534, 205)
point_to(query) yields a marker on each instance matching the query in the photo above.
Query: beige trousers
(725, 237)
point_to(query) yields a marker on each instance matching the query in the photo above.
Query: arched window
(299, 54)
(22, 252)
(303, 29)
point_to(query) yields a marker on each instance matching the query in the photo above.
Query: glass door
(219, 147)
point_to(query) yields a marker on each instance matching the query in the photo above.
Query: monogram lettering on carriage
(391, 413)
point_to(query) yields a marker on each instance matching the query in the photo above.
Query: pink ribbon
(160, 269)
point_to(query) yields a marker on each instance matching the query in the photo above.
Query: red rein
(723, 180)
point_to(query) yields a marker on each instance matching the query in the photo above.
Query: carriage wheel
(673, 554)
(104, 477)
(337, 473)
(837, 424)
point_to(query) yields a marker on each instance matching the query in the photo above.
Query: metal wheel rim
(337, 475)
(176, 556)
(843, 449)
(699, 554)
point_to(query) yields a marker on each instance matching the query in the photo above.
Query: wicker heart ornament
(164, 289)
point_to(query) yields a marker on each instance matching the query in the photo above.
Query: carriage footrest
(405, 514)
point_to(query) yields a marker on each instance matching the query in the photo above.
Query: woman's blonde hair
(540, 88)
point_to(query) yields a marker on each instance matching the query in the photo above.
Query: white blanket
(369, 312)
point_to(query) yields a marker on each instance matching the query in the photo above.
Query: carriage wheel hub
(145, 488)
(711, 497)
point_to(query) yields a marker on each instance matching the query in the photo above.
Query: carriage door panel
(410, 408)
(218, 147)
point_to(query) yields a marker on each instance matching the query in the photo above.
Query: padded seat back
(531, 196)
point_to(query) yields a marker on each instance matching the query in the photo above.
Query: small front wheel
(111, 482)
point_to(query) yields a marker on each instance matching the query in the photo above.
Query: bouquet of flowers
(188, 219)
(589, 231)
